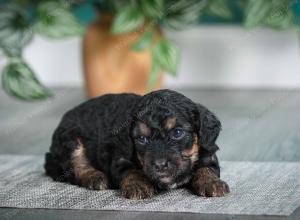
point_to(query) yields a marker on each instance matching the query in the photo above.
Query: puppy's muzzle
(161, 165)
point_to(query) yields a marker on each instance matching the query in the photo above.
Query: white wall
(218, 56)
(57, 63)
(232, 57)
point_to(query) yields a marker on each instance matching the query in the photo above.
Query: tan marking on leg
(136, 186)
(170, 123)
(84, 172)
(206, 183)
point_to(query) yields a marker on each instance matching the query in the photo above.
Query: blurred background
(211, 56)
(240, 58)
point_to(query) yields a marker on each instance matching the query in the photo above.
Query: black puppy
(138, 144)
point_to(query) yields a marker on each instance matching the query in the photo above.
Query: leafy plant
(56, 21)
(19, 80)
(21, 19)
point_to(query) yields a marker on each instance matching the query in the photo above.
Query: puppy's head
(169, 132)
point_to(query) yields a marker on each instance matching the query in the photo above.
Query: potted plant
(124, 48)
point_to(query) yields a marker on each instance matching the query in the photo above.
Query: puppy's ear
(208, 128)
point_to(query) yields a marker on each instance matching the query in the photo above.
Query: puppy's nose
(161, 164)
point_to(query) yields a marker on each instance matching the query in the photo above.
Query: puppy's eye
(142, 140)
(177, 134)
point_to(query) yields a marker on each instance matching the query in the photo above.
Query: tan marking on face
(193, 152)
(144, 129)
(170, 123)
(140, 158)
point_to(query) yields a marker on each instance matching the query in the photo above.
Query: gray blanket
(257, 188)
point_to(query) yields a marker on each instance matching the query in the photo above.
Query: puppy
(138, 144)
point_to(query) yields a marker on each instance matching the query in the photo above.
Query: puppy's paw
(215, 188)
(207, 183)
(95, 181)
(139, 190)
(136, 186)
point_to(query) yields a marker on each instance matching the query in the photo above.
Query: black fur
(108, 128)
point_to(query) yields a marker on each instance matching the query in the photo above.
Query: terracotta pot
(110, 65)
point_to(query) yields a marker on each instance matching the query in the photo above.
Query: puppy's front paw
(207, 183)
(136, 186)
(95, 180)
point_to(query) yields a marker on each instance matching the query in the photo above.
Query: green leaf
(280, 15)
(154, 74)
(127, 19)
(144, 42)
(280, 21)
(180, 13)
(55, 21)
(220, 8)
(15, 29)
(19, 81)
(272, 13)
(153, 8)
(256, 11)
(166, 54)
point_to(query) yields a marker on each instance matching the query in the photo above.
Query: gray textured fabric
(268, 188)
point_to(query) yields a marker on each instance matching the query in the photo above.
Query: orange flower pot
(110, 65)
